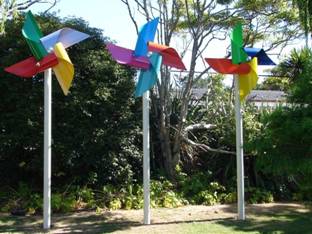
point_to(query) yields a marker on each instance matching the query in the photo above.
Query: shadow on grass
(71, 223)
(83, 224)
(271, 220)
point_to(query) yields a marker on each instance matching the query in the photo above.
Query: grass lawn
(262, 218)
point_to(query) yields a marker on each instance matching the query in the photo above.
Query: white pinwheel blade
(66, 36)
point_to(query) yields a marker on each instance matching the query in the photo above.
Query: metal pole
(239, 153)
(146, 158)
(47, 150)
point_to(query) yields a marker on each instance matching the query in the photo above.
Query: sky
(112, 17)
(109, 15)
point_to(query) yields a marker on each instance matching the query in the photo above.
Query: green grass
(269, 221)
(277, 224)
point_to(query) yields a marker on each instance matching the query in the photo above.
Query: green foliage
(217, 108)
(114, 204)
(293, 65)
(163, 194)
(230, 197)
(304, 193)
(95, 128)
(21, 201)
(285, 144)
(85, 197)
(274, 83)
(256, 195)
(63, 202)
(305, 14)
(214, 108)
(273, 28)
(300, 91)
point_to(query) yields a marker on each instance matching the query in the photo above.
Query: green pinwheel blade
(238, 53)
(32, 34)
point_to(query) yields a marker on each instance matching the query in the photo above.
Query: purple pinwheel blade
(125, 56)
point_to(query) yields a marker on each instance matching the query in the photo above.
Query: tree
(284, 145)
(10, 8)
(274, 83)
(200, 23)
(293, 65)
(95, 128)
(305, 14)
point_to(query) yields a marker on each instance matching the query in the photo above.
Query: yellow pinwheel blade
(249, 81)
(64, 70)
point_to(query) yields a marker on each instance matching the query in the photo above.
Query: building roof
(254, 96)
(198, 93)
(266, 96)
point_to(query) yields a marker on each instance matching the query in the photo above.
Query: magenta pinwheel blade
(66, 36)
(126, 57)
(30, 67)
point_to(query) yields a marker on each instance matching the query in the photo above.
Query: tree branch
(206, 147)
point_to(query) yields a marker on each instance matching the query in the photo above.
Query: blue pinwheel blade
(263, 58)
(148, 78)
(146, 34)
(66, 36)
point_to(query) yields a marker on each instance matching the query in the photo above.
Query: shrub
(256, 195)
(63, 203)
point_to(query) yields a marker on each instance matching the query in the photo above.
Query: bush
(256, 195)
(63, 202)
(229, 197)
(163, 194)
(22, 201)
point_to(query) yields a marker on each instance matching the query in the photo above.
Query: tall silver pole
(146, 158)
(239, 153)
(47, 149)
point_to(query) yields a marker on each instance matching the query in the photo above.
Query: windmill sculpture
(48, 52)
(148, 57)
(243, 66)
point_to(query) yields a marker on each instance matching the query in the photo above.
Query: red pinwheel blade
(225, 66)
(30, 67)
(170, 56)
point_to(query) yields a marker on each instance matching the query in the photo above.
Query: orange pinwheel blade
(225, 66)
(170, 56)
(30, 67)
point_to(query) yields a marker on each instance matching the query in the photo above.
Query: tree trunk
(164, 136)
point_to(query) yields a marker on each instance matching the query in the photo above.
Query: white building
(267, 98)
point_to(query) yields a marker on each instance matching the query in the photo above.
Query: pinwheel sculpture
(48, 52)
(243, 66)
(148, 57)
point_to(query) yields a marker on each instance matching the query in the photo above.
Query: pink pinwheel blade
(125, 56)
(30, 67)
(225, 66)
